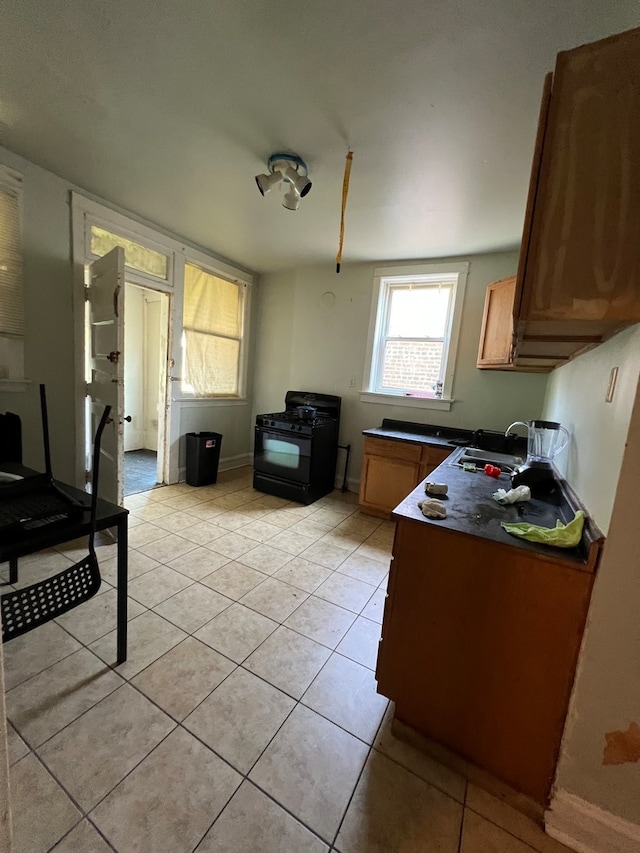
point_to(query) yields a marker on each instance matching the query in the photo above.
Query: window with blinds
(11, 303)
(11, 276)
(213, 317)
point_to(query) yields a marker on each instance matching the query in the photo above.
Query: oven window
(281, 453)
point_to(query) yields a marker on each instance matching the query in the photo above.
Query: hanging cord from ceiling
(345, 192)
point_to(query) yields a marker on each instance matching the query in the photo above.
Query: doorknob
(128, 418)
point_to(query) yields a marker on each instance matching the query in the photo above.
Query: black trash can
(203, 456)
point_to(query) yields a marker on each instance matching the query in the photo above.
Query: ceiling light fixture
(291, 200)
(291, 171)
(266, 182)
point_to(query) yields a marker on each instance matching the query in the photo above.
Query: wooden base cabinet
(479, 647)
(391, 470)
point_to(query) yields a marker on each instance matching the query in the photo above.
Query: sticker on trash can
(210, 442)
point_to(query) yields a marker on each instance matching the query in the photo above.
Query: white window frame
(145, 279)
(12, 346)
(454, 274)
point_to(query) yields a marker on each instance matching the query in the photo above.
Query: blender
(546, 440)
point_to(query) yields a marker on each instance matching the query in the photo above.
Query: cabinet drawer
(392, 449)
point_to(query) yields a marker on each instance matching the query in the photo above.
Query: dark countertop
(471, 509)
(447, 437)
(434, 436)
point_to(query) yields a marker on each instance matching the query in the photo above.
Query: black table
(20, 543)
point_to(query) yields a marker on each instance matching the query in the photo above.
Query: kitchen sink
(480, 458)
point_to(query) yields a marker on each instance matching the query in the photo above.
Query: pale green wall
(606, 695)
(303, 344)
(233, 422)
(576, 398)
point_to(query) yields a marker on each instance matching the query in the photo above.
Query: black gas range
(295, 451)
(293, 422)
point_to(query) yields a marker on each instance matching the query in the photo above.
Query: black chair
(11, 451)
(26, 609)
(10, 438)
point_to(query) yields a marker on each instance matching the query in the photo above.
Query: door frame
(84, 213)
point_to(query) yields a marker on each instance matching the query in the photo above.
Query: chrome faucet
(511, 426)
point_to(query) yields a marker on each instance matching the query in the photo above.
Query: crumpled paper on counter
(520, 493)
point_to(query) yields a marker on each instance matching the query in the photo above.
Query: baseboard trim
(243, 459)
(239, 461)
(226, 464)
(586, 828)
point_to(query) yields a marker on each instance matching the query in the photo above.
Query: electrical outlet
(611, 387)
(352, 382)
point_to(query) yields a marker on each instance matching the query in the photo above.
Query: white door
(105, 351)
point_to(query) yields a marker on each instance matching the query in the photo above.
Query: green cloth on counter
(562, 535)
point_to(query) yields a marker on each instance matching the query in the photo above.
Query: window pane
(136, 257)
(210, 365)
(211, 304)
(411, 365)
(418, 311)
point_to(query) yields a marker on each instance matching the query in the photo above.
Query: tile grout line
(332, 650)
(462, 815)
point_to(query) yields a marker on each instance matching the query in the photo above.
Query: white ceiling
(168, 109)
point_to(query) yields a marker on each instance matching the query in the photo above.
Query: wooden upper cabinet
(583, 257)
(496, 337)
(578, 279)
(497, 344)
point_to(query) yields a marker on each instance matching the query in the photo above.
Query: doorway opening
(145, 347)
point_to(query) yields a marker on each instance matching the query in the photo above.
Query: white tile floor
(246, 718)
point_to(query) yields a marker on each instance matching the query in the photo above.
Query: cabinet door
(496, 337)
(479, 648)
(430, 458)
(584, 254)
(386, 482)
